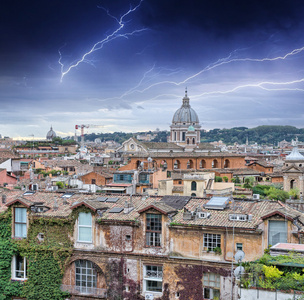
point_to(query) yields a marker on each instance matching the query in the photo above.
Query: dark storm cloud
(151, 69)
(223, 16)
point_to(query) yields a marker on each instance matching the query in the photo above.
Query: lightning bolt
(221, 62)
(99, 45)
(262, 85)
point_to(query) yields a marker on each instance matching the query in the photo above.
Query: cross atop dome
(186, 99)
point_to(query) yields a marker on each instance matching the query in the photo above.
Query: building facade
(112, 247)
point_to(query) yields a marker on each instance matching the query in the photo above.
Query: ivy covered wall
(45, 259)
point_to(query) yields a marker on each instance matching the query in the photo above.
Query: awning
(113, 189)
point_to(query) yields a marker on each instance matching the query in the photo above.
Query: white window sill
(84, 242)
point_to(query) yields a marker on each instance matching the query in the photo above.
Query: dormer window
(85, 227)
(238, 217)
(20, 222)
(40, 209)
(153, 230)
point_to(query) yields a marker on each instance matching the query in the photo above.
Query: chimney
(55, 206)
(128, 206)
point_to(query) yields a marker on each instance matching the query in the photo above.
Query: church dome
(51, 134)
(191, 128)
(185, 114)
(295, 155)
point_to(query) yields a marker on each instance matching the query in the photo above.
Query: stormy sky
(125, 64)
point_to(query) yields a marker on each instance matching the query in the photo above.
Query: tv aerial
(239, 271)
(239, 255)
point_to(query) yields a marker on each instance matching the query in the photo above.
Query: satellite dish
(239, 255)
(229, 254)
(142, 164)
(239, 271)
(149, 159)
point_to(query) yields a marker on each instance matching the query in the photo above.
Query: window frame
(14, 268)
(271, 231)
(239, 246)
(238, 217)
(152, 279)
(211, 285)
(215, 238)
(23, 224)
(193, 185)
(79, 226)
(82, 280)
(153, 236)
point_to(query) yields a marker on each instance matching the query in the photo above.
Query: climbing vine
(47, 249)
(8, 288)
(191, 284)
(117, 281)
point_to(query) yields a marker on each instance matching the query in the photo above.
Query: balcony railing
(153, 274)
(219, 192)
(81, 290)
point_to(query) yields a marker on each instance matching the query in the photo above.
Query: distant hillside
(120, 137)
(266, 134)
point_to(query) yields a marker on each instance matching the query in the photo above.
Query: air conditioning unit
(256, 196)
(149, 296)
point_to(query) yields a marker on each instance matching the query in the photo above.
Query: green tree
(218, 179)
(277, 194)
(60, 184)
(294, 193)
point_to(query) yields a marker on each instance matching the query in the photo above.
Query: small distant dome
(51, 134)
(295, 155)
(191, 128)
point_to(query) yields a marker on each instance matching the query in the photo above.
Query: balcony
(85, 291)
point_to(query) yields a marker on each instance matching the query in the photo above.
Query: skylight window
(116, 210)
(218, 203)
(28, 193)
(67, 195)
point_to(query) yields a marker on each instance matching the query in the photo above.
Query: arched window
(86, 276)
(193, 186)
(226, 163)
(202, 164)
(138, 164)
(293, 184)
(214, 163)
(193, 195)
(183, 136)
(187, 141)
(164, 164)
(176, 164)
(174, 136)
(154, 164)
(193, 141)
(190, 164)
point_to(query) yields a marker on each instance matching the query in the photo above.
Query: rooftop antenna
(239, 256)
